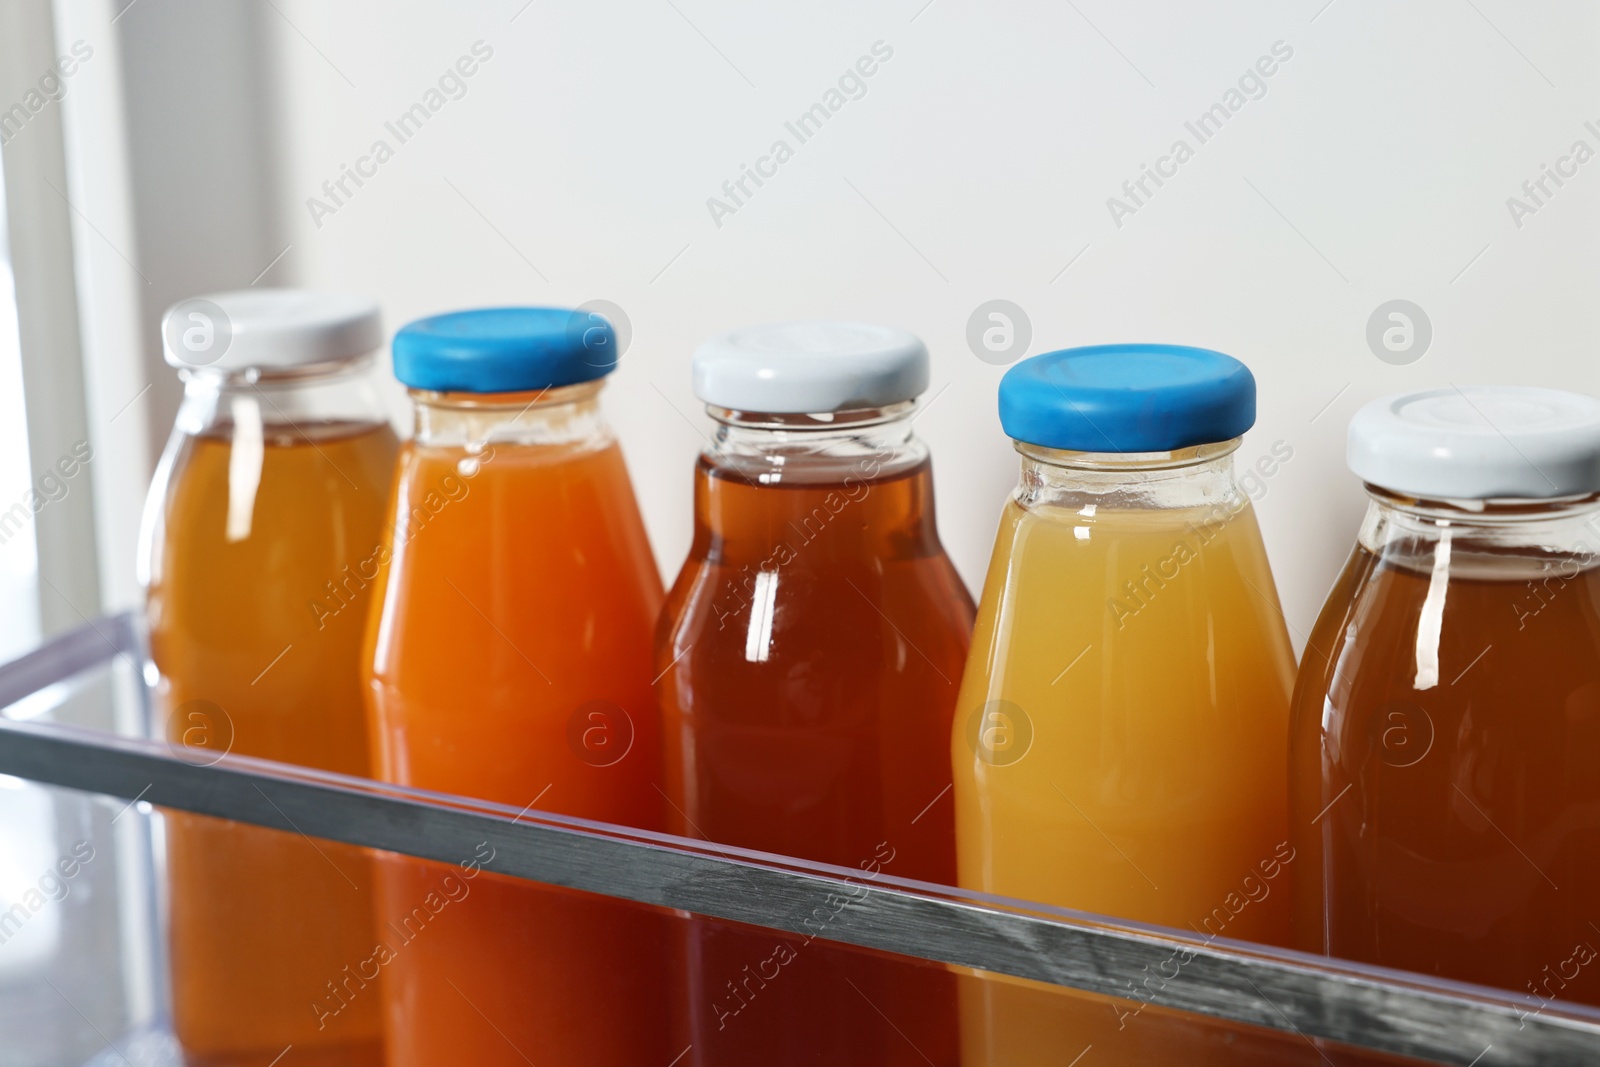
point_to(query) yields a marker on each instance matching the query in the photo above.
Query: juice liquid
(1446, 770)
(512, 663)
(811, 648)
(1119, 747)
(249, 662)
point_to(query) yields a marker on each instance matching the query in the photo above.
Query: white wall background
(977, 166)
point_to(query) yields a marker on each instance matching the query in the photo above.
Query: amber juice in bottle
(1446, 747)
(270, 495)
(810, 651)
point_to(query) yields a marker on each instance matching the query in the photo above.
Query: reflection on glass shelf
(70, 946)
(31, 877)
(440, 932)
(674, 953)
(77, 915)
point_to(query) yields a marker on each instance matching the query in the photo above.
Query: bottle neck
(835, 491)
(859, 445)
(567, 416)
(1399, 527)
(298, 400)
(1196, 477)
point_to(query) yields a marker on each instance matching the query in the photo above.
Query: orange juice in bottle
(270, 494)
(1120, 737)
(508, 658)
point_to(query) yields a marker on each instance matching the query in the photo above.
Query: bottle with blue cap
(275, 477)
(508, 658)
(808, 657)
(1445, 752)
(1121, 733)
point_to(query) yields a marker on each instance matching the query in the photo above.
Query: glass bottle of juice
(1121, 733)
(1445, 754)
(270, 494)
(809, 653)
(509, 660)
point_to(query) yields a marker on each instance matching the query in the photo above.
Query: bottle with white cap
(1445, 752)
(808, 657)
(269, 495)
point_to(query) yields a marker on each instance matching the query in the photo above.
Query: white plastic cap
(1479, 442)
(807, 367)
(269, 328)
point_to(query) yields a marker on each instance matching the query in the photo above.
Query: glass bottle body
(1446, 747)
(271, 488)
(810, 649)
(509, 659)
(1121, 730)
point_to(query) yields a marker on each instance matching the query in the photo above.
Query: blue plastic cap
(1127, 398)
(504, 350)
